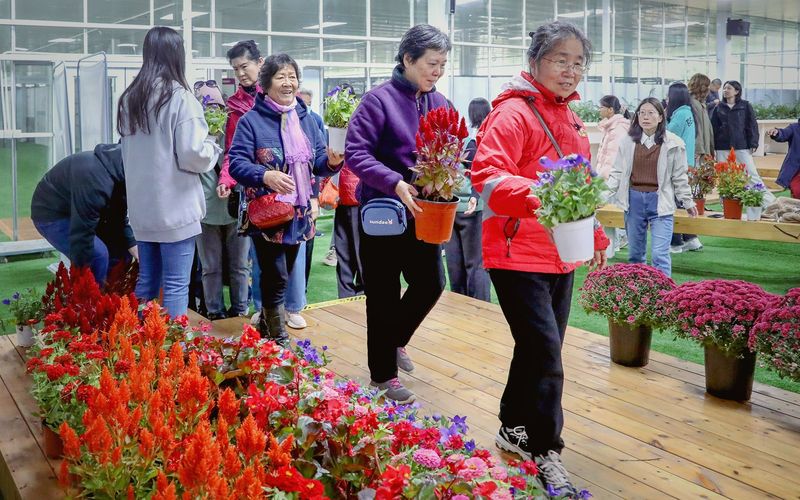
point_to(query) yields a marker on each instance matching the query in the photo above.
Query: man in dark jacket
(80, 208)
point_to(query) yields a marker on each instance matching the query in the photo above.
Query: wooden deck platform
(630, 432)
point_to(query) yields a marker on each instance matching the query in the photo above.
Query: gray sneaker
(395, 390)
(404, 360)
(554, 476)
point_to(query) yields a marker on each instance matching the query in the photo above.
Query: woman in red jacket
(533, 285)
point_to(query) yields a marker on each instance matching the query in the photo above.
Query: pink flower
(503, 494)
(460, 497)
(472, 468)
(499, 473)
(427, 458)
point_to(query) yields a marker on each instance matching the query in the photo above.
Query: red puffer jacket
(510, 143)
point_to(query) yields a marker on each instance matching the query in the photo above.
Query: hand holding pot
(406, 192)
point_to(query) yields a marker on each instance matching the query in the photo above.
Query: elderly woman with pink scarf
(278, 148)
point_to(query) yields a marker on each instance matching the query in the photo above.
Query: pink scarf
(297, 153)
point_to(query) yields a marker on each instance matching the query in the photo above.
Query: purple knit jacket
(381, 137)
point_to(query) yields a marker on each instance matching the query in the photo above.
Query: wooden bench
(763, 230)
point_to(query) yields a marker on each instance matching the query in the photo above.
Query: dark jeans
(464, 259)
(57, 234)
(347, 240)
(276, 262)
(391, 318)
(679, 239)
(536, 306)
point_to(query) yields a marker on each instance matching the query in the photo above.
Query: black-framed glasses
(208, 83)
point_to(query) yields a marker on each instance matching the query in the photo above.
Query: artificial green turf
(773, 266)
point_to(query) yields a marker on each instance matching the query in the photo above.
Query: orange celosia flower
(193, 389)
(131, 493)
(147, 444)
(279, 454)
(155, 328)
(72, 445)
(64, 477)
(247, 486)
(231, 465)
(165, 489)
(228, 405)
(200, 462)
(97, 438)
(250, 441)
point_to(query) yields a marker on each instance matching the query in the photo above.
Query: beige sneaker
(295, 320)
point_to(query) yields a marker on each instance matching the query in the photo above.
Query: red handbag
(266, 211)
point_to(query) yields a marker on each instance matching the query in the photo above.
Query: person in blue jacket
(277, 148)
(682, 122)
(789, 175)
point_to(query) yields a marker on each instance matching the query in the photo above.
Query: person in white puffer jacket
(615, 123)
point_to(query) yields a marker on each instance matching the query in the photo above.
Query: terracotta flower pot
(732, 208)
(729, 377)
(435, 223)
(700, 203)
(630, 346)
(53, 446)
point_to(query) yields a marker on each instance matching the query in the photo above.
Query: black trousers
(347, 241)
(276, 261)
(391, 318)
(536, 306)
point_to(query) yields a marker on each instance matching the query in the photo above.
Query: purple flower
(584, 494)
(470, 445)
(7, 302)
(16, 296)
(553, 492)
(334, 90)
(460, 424)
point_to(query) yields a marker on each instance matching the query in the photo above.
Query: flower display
(753, 194)
(162, 410)
(339, 105)
(719, 312)
(569, 190)
(216, 116)
(731, 177)
(626, 293)
(776, 335)
(702, 177)
(440, 146)
(25, 307)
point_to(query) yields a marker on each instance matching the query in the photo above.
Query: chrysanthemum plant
(776, 336)
(569, 190)
(627, 294)
(718, 312)
(440, 150)
(702, 177)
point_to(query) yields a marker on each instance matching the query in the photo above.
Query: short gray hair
(420, 38)
(548, 36)
(308, 92)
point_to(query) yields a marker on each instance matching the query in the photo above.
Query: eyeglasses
(648, 114)
(563, 65)
(208, 83)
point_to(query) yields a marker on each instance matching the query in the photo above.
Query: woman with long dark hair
(463, 250)
(735, 126)
(649, 174)
(165, 146)
(278, 148)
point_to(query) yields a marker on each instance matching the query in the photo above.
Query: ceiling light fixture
(677, 24)
(579, 14)
(62, 40)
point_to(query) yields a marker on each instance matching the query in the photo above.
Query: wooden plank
(768, 171)
(622, 407)
(762, 230)
(771, 183)
(24, 472)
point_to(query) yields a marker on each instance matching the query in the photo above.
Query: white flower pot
(575, 240)
(754, 213)
(336, 138)
(24, 335)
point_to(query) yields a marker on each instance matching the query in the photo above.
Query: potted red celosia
(776, 335)
(627, 294)
(720, 314)
(440, 146)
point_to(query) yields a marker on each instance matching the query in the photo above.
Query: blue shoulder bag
(383, 217)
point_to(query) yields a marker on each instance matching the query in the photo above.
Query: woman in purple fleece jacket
(380, 149)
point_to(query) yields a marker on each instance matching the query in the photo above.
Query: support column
(439, 16)
(605, 69)
(723, 43)
(186, 18)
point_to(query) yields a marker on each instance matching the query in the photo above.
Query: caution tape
(319, 305)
